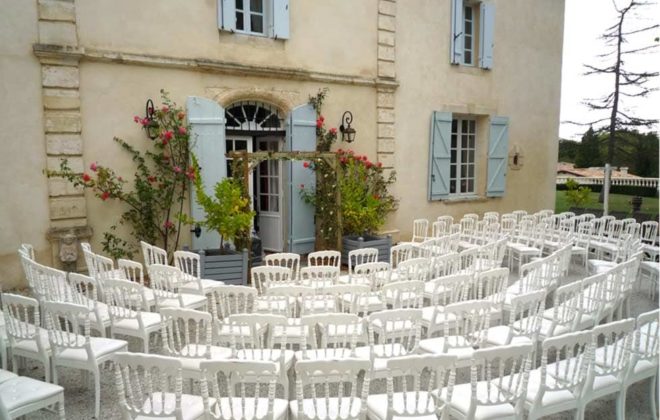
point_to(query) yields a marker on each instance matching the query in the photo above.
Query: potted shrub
(228, 212)
(365, 202)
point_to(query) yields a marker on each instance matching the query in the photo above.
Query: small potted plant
(228, 212)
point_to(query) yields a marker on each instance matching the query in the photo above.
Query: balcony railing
(630, 182)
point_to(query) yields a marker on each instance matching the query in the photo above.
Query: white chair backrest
(634, 229)
(647, 336)
(444, 265)
(505, 371)
(319, 275)
(278, 297)
(615, 341)
(149, 385)
(468, 260)
(125, 299)
(413, 269)
(374, 274)
(330, 258)
(261, 343)
(285, 259)
(239, 389)
(491, 285)
(361, 256)
(519, 214)
(398, 334)
(573, 352)
(508, 224)
(439, 229)
(585, 231)
(90, 261)
(526, 315)
(420, 230)
(68, 326)
(449, 220)
(331, 335)
(189, 263)
(50, 284)
(567, 306)
(534, 275)
(433, 247)
(232, 299)
(404, 294)
(450, 289)
(402, 252)
(85, 290)
(614, 230)
(471, 326)
(649, 232)
(334, 388)
(186, 333)
(412, 379)
(22, 320)
(133, 270)
(165, 281)
(266, 276)
(28, 249)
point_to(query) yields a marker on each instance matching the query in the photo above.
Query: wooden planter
(229, 268)
(381, 243)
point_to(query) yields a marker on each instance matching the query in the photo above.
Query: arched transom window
(253, 116)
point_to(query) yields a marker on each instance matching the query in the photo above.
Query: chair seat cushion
(461, 400)
(100, 347)
(550, 397)
(377, 406)
(6, 375)
(149, 319)
(21, 390)
(274, 355)
(189, 301)
(332, 408)
(248, 408)
(192, 363)
(31, 345)
(326, 354)
(381, 352)
(456, 345)
(192, 406)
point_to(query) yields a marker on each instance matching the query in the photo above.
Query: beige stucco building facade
(73, 74)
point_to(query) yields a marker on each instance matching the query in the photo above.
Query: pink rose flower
(86, 177)
(182, 130)
(93, 166)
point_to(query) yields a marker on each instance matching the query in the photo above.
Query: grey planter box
(228, 268)
(381, 243)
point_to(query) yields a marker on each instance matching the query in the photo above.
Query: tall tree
(588, 153)
(627, 83)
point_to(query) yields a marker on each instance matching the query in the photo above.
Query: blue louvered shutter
(207, 137)
(486, 34)
(227, 15)
(457, 43)
(301, 136)
(280, 27)
(439, 155)
(498, 154)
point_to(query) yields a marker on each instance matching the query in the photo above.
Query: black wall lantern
(347, 132)
(151, 127)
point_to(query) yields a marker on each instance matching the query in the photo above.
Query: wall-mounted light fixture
(347, 132)
(151, 127)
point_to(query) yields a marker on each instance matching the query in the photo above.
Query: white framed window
(469, 22)
(267, 18)
(471, 19)
(251, 16)
(462, 161)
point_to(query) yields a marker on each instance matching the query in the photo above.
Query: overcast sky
(585, 21)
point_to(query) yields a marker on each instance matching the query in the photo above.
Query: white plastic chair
(190, 265)
(402, 252)
(188, 335)
(491, 285)
(393, 332)
(439, 229)
(498, 383)
(444, 265)
(375, 275)
(126, 301)
(25, 337)
(20, 396)
(285, 259)
(433, 247)
(612, 343)
(232, 299)
(644, 361)
(85, 291)
(446, 291)
(327, 389)
(241, 389)
(331, 336)
(420, 230)
(564, 316)
(153, 254)
(412, 269)
(150, 386)
(412, 384)
(527, 244)
(465, 331)
(73, 349)
(404, 294)
(557, 386)
(165, 281)
(361, 256)
(319, 276)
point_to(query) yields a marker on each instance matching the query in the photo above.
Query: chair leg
(60, 408)
(621, 404)
(47, 369)
(97, 393)
(652, 396)
(145, 340)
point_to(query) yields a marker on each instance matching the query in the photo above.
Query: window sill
(469, 69)
(467, 199)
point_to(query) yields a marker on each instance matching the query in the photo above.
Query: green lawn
(618, 202)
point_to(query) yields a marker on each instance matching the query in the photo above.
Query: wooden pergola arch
(244, 163)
